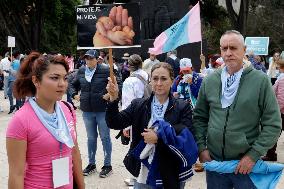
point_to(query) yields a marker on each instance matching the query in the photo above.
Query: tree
(22, 19)
(59, 26)
(214, 22)
(46, 25)
(238, 19)
(266, 19)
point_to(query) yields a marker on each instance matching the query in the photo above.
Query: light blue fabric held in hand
(264, 175)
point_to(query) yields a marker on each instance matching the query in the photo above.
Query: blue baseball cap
(92, 53)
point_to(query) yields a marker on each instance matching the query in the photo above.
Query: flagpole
(201, 46)
(202, 57)
(200, 30)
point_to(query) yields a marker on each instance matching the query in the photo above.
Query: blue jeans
(96, 121)
(228, 181)
(10, 93)
(5, 82)
(138, 185)
(10, 96)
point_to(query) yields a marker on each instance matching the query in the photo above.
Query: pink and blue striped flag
(186, 30)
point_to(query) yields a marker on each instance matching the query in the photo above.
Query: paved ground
(115, 181)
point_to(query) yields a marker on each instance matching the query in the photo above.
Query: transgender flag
(186, 30)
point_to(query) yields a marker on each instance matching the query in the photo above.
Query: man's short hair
(16, 53)
(228, 32)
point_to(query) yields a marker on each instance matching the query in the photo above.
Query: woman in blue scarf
(41, 140)
(162, 143)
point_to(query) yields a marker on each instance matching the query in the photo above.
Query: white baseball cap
(185, 64)
(220, 61)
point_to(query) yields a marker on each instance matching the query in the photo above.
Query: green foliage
(50, 25)
(14, 19)
(266, 20)
(59, 31)
(215, 22)
(45, 25)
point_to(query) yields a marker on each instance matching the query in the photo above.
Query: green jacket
(250, 126)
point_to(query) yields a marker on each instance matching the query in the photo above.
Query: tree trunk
(242, 18)
(23, 20)
(239, 21)
(12, 25)
(36, 25)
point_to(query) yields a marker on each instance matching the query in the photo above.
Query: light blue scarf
(264, 175)
(185, 88)
(280, 76)
(230, 85)
(55, 123)
(158, 110)
(89, 73)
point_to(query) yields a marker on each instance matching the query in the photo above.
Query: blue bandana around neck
(158, 110)
(89, 73)
(55, 123)
(280, 76)
(230, 85)
(185, 93)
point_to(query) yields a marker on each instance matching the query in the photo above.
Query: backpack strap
(69, 107)
(140, 78)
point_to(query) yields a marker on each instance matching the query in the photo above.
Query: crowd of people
(169, 111)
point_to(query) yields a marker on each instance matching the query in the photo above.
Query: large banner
(108, 26)
(257, 45)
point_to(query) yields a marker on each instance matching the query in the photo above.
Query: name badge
(60, 172)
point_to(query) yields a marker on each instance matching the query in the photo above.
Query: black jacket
(91, 97)
(138, 114)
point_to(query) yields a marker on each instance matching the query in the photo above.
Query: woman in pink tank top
(36, 150)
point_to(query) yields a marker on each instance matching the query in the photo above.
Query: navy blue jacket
(182, 146)
(138, 114)
(91, 97)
